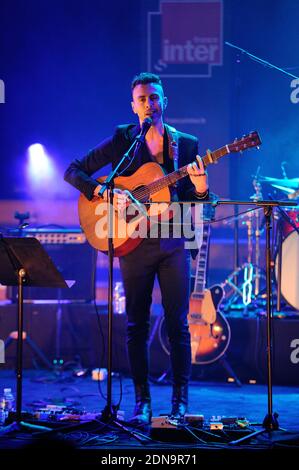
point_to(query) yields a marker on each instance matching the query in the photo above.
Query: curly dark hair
(145, 77)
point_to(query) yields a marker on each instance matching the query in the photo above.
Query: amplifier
(72, 256)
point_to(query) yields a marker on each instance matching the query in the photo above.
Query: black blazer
(80, 171)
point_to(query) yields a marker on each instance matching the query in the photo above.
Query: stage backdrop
(66, 68)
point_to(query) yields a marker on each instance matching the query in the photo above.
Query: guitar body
(209, 330)
(209, 342)
(205, 309)
(93, 214)
(148, 184)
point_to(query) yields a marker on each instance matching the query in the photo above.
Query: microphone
(139, 140)
(141, 136)
(144, 128)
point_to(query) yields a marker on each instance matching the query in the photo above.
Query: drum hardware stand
(252, 272)
(236, 245)
(279, 264)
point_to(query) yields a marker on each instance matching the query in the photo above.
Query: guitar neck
(172, 178)
(201, 267)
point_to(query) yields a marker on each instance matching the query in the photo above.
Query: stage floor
(74, 332)
(64, 391)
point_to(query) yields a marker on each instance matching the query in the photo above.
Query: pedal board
(165, 421)
(166, 429)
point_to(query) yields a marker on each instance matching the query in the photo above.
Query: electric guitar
(209, 330)
(147, 185)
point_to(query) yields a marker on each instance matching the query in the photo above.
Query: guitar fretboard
(141, 193)
(201, 267)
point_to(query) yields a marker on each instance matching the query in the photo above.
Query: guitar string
(175, 175)
(155, 186)
(171, 178)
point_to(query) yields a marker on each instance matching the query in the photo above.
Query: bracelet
(200, 174)
(202, 195)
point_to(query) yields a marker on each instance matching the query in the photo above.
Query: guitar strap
(198, 210)
(173, 147)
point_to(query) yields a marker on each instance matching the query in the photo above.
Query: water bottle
(119, 299)
(2, 411)
(7, 403)
(9, 399)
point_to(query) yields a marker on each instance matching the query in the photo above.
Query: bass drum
(294, 217)
(290, 269)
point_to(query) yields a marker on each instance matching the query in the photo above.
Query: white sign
(295, 93)
(2, 354)
(2, 92)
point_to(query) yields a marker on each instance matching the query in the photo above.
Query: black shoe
(142, 413)
(179, 402)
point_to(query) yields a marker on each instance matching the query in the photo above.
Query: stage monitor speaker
(73, 257)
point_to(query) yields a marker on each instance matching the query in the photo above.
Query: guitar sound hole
(142, 194)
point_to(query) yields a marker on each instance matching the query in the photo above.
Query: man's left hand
(198, 175)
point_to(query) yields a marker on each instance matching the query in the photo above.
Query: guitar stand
(33, 346)
(223, 361)
(226, 365)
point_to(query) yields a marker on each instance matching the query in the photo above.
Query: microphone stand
(259, 60)
(109, 414)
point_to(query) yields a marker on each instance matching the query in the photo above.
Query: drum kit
(285, 248)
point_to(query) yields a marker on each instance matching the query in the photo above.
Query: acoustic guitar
(209, 330)
(147, 185)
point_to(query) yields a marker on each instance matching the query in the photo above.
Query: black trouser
(171, 262)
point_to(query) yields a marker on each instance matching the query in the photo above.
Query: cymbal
(291, 183)
(282, 188)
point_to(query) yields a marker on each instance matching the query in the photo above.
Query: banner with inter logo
(185, 38)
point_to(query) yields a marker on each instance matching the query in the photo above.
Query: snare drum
(290, 268)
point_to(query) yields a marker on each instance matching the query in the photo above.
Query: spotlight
(40, 165)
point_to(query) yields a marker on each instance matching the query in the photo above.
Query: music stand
(24, 262)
